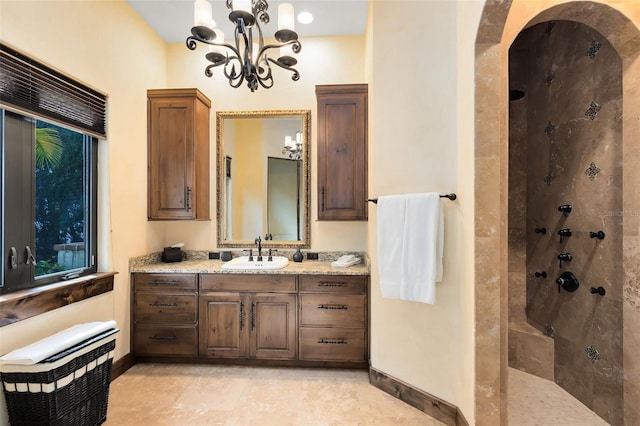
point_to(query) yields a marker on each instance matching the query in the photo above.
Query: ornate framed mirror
(263, 178)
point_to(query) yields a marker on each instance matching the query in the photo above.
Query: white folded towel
(44, 348)
(410, 245)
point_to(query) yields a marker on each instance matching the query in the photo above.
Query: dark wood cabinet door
(342, 152)
(224, 318)
(273, 326)
(178, 154)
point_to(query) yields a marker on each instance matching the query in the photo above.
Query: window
(49, 198)
(49, 125)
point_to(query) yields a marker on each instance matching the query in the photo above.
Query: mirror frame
(305, 115)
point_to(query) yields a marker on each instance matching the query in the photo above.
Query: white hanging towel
(410, 245)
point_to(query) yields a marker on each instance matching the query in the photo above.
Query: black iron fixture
(242, 60)
(564, 233)
(598, 290)
(568, 282)
(565, 209)
(599, 235)
(293, 148)
(542, 230)
(542, 274)
(564, 257)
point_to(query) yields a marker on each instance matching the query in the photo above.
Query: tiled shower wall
(566, 148)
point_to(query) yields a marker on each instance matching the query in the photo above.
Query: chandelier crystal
(246, 60)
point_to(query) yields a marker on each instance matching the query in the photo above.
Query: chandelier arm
(191, 42)
(234, 80)
(296, 74)
(267, 80)
(260, 11)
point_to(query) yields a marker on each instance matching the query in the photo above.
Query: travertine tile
(181, 394)
(538, 402)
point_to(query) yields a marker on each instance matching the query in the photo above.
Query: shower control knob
(564, 233)
(598, 290)
(542, 230)
(564, 257)
(565, 209)
(568, 282)
(542, 274)
(599, 235)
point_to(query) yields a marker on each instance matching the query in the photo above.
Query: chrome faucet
(258, 241)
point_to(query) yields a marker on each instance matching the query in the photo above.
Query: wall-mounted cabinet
(178, 154)
(342, 152)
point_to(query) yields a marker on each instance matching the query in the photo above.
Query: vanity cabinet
(165, 314)
(342, 152)
(178, 154)
(248, 316)
(333, 318)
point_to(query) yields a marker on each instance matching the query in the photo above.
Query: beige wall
(422, 140)
(98, 43)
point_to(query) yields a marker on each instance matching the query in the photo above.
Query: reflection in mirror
(263, 178)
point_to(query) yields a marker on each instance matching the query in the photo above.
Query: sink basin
(243, 263)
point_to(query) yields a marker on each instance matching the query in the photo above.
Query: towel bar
(452, 197)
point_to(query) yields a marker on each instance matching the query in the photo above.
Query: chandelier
(293, 148)
(246, 60)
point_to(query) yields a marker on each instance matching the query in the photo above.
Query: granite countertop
(198, 262)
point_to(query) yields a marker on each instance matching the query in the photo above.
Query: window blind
(29, 85)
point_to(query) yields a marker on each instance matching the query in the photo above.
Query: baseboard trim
(435, 407)
(122, 365)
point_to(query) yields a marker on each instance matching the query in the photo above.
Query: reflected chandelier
(243, 60)
(293, 148)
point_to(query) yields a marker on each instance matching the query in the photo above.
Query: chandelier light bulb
(202, 14)
(286, 50)
(288, 142)
(286, 17)
(218, 40)
(243, 5)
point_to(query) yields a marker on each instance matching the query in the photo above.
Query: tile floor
(176, 394)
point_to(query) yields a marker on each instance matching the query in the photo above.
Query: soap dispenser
(297, 256)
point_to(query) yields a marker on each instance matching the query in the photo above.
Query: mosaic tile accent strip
(593, 110)
(550, 76)
(592, 51)
(592, 171)
(549, 128)
(549, 28)
(593, 354)
(548, 179)
(549, 330)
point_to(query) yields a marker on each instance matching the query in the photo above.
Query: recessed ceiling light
(305, 17)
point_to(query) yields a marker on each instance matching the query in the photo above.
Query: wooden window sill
(28, 303)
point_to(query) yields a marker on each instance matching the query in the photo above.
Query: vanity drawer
(166, 308)
(353, 284)
(333, 310)
(248, 282)
(166, 282)
(165, 340)
(332, 344)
